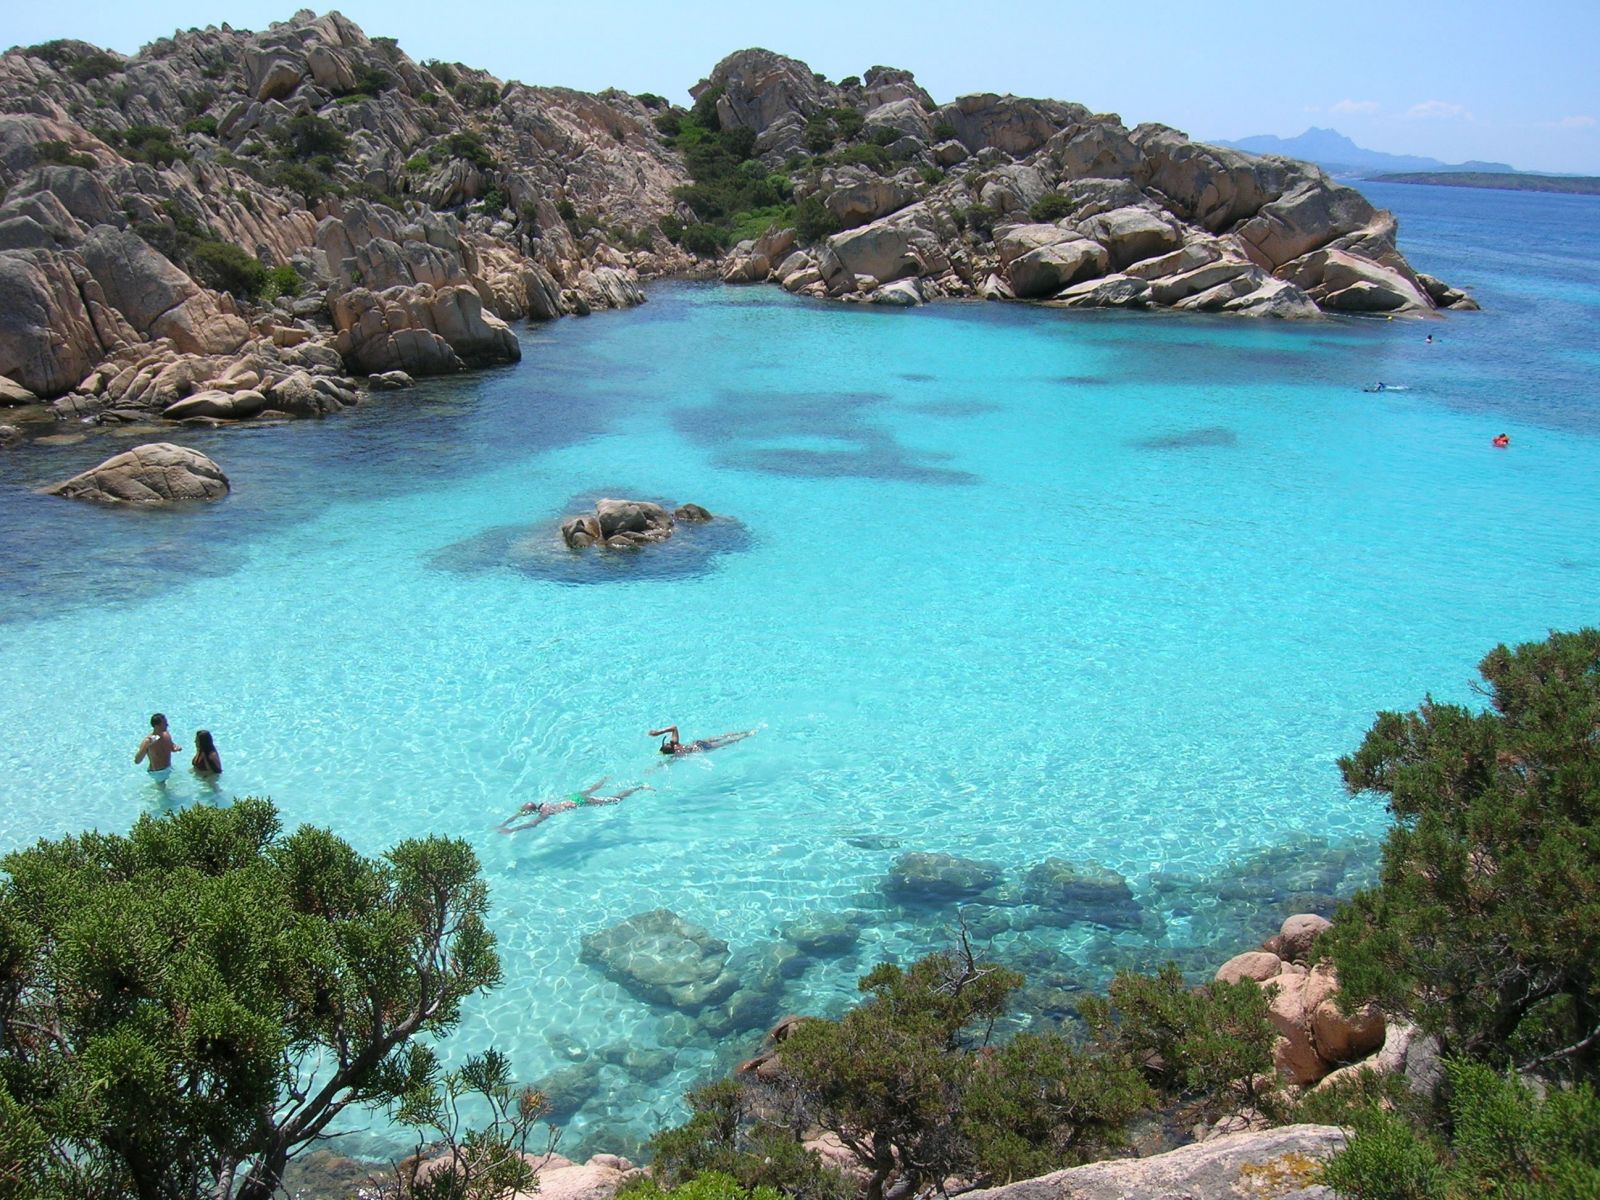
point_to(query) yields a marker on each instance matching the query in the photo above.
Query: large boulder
(1308, 216)
(888, 249)
(1280, 1163)
(1041, 260)
(921, 877)
(663, 959)
(1130, 234)
(758, 87)
(155, 297)
(419, 330)
(1070, 892)
(49, 338)
(148, 476)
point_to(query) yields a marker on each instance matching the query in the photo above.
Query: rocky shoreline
(236, 226)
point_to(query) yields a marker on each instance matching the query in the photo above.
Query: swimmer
(1502, 440)
(1428, 341)
(671, 745)
(206, 763)
(544, 810)
(159, 748)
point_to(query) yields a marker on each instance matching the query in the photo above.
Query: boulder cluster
(627, 524)
(1004, 197)
(406, 213)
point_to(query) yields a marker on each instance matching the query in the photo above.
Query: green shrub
(981, 220)
(431, 99)
(304, 179)
(754, 223)
(813, 221)
(58, 152)
(850, 81)
(205, 125)
(704, 112)
(1052, 206)
(704, 240)
(943, 131)
(931, 175)
(94, 66)
(668, 124)
(372, 79)
(884, 135)
(280, 281)
(566, 210)
(145, 143)
(306, 137)
(476, 95)
(651, 100)
(863, 155)
(226, 267)
(465, 144)
(494, 202)
(1385, 1160)
(444, 72)
(711, 1185)
(418, 164)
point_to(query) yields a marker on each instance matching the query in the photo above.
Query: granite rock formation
(274, 215)
(148, 477)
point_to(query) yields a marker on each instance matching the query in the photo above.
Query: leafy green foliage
(943, 131)
(145, 143)
(467, 145)
(732, 191)
(813, 221)
(1502, 1139)
(1485, 926)
(865, 154)
(1206, 1047)
(651, 100)
(189, 1005)
(483, 1162)
(703, 239)
(1041, 1102)
(713, 1185)
(730, 1135)
(1052, 206)
(53, 150)
(228, 268)
(280, 281)
(482, 94)
(206, 125)
(306, 137)
(884, 135)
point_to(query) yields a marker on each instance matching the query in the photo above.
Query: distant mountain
(1334, 152)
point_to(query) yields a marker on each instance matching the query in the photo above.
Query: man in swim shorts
(159, 748)
(543, 810)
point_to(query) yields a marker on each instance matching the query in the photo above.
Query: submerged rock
(661, 958)
(148, 476)
(922, 877)
(1070, 892)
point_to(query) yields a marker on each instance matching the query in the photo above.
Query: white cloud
(1577, 122)
(1355, 108)
(1438, 110)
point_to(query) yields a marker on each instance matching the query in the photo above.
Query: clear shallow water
(1008, 584)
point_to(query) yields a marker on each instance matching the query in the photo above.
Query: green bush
(226, 267)
(465, 144)
(306, 137)
(205, 125)
(566, 210)
(280, 281)
(668, 124)
(418, 164)
(304, 179)
(371, 79)
(943, 131)
(494, 202)
(863, 155)
(1052, 206)
(884, 135)
(651, 100)
(813, 221)
(981, 220)
(59, 153)
(1385, 1160)
(712, 1185)
(94, 66)
(704, 112)
(704, 240)
(850, 81)
(476, 95)
(1485, 926)
(145, 143)
(444, 72)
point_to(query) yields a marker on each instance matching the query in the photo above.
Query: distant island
(1577, 185)
(1338, 155)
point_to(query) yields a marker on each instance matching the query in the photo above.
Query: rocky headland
(233, 225)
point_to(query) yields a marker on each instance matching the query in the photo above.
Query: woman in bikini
(543, 810)
(206, 761)
(671, 745)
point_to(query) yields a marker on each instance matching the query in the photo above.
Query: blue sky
(1513, 83)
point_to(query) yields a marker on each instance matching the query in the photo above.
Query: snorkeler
(671, 745)
(546, 809)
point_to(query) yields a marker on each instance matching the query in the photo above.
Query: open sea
(1000, 582)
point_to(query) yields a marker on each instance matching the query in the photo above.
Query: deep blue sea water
(1006, 583)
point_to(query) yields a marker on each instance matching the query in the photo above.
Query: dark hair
(157, 719)
(203, 743)
(667, 744)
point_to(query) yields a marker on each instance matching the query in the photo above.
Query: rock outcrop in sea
(231, 225)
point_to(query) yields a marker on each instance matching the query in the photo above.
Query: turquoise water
(1006, 583)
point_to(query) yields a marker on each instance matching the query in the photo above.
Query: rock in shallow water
(148, 476)
(921, 877)
(661, 958)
